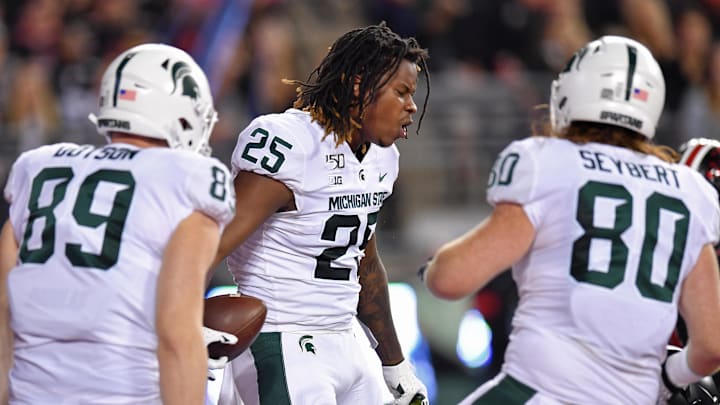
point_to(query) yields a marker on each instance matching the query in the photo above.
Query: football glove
(404, 385)
(701, 392)
(216, 336)
(667, 389)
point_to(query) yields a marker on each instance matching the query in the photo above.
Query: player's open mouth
(404, 130)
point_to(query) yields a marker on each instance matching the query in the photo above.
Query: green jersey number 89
(58, 178)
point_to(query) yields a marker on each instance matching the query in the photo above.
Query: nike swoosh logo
(382, 176)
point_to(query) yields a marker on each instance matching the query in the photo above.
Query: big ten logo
(501, 173)
(336, 161)
(334, 180)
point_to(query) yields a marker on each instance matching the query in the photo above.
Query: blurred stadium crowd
(491, 59)
(490, 67)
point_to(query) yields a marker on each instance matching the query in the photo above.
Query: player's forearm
(5, 352)
(8, 259)
(699, 306)
(225, 246)
(6, 348)
(182, 371)
(181, 352)
(258, 197)
(374, 311)
(702, 362)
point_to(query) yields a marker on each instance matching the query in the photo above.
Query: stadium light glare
(474, 344)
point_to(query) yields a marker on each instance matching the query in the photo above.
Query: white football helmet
(613, 80)
(157, 91)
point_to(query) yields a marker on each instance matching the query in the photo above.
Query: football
(240, 315)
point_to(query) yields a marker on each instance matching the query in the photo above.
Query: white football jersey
(617, 233)
(304, 264)
(92, 224)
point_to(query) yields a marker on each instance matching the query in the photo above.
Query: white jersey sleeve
(10, 185)
(18, 177)
(268, 147)
(514, 179)
(210, 189)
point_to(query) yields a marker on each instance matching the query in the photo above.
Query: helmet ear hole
(185, 125)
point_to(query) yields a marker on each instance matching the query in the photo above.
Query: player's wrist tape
(676, 372)
(398, 370)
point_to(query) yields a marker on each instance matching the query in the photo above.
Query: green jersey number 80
(655, 205)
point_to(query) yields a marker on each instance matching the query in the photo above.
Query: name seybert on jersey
(605, 163)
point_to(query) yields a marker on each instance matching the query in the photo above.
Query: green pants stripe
(272, 383)
(508, 392)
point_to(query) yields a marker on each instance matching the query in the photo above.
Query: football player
(607, 237)
(107, 249)
(703, 155)
(313, 180)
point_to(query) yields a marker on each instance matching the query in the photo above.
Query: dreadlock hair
(371, 53)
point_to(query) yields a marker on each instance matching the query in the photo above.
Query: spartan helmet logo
(181, 73)
(306, 344)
